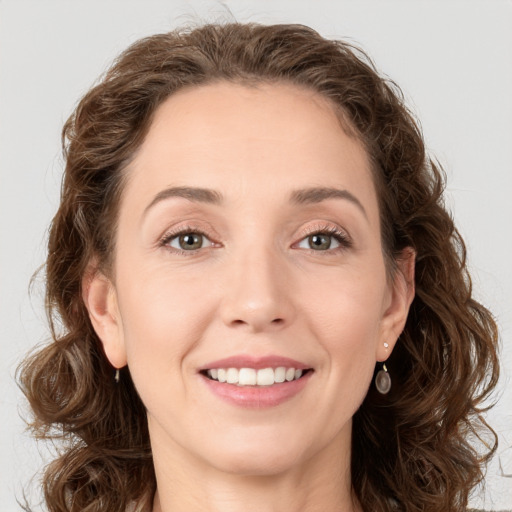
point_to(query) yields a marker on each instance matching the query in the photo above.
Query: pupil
(192, 241)
(321, 242)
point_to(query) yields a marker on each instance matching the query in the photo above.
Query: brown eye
(324, 241)
(190, 241)
(320, 242)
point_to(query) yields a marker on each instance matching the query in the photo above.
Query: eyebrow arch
(319, 194)
(196, 194)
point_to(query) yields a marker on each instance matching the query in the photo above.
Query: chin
(262, 464)
(257, 456)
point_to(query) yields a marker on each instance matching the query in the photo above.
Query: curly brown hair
(415, 449)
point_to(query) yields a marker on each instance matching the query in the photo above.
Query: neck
(320, 484)
(258, 494)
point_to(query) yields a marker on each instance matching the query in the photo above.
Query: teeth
(247, 377)
(253, 377)
(265, 377)
(280, 374)
(232, 376)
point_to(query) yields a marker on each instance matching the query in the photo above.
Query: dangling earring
(383, 381)
(116, 376)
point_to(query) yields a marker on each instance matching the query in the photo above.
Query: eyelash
(340, 236)
(183, 230)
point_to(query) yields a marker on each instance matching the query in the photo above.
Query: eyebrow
(319, 194)
(302, 196)
(199, 195)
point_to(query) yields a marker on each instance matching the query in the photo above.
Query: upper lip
(246, 361)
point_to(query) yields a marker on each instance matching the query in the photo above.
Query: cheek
(346, 321)
(350, 343)
(163, 318)
(349, 308)
(163, 321)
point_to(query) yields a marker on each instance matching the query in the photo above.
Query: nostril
(277, 321)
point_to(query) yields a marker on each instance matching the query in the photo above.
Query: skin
(255, 287)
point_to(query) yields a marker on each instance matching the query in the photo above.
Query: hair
(422, 447)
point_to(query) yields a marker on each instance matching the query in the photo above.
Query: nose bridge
(256, 294)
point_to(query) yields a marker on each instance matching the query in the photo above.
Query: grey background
(453, 59)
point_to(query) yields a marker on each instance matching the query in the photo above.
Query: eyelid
(177, 231)
(340, 234)
(171, 240)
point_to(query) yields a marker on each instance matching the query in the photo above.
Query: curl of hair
(414, 449)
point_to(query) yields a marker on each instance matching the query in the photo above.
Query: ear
(401, 297)
(100, 298)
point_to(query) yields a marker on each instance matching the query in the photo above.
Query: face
(249, 250)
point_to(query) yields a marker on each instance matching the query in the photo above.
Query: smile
(254, 377)
(256, 382)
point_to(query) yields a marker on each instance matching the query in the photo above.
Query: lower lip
(257, 396)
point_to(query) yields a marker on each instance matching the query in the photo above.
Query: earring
(116, 376)
(383, 381)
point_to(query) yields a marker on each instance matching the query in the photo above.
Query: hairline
(107, 267)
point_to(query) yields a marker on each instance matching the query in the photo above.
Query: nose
(257, 296)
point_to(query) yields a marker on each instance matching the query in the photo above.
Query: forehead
(257, 140)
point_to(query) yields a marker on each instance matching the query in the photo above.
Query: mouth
(256, 382)
(255, 377)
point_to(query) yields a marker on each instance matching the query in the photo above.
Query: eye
(325, 238)
(187, 241)
(319, 242)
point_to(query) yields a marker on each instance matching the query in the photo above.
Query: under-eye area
(255, 377)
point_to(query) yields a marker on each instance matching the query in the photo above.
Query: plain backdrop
(453, 59)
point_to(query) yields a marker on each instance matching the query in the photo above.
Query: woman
(264, 303)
